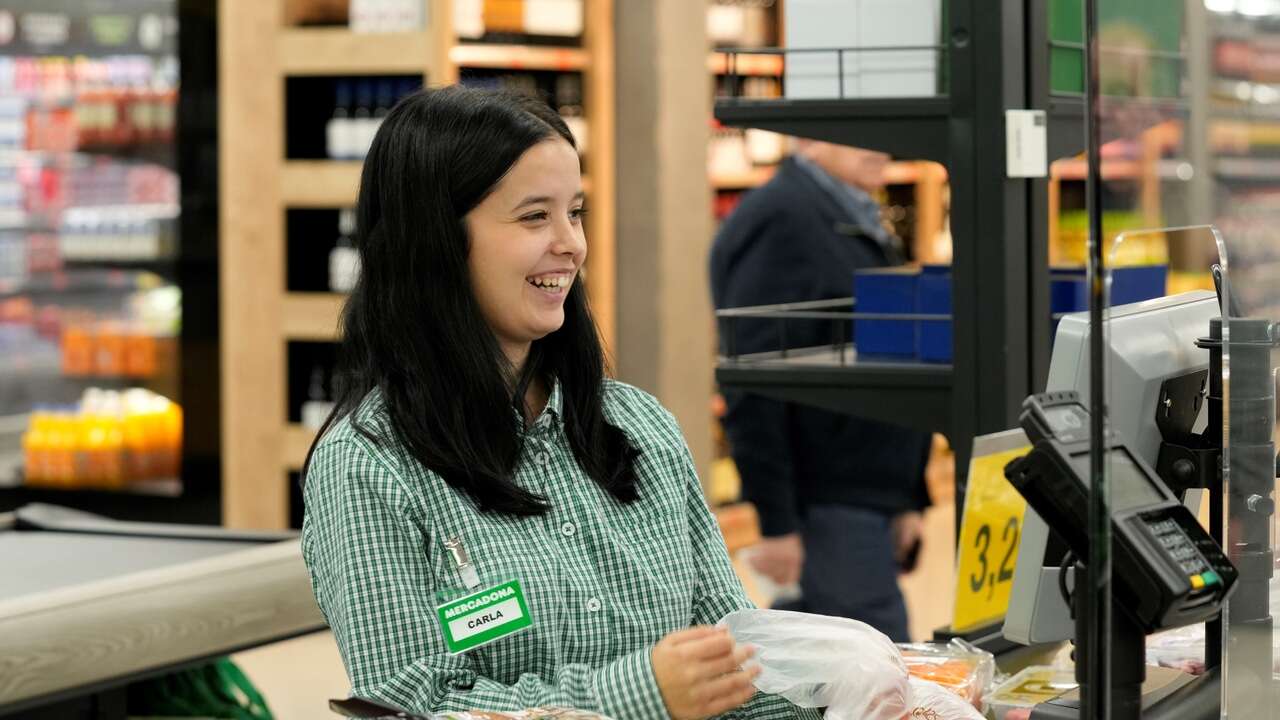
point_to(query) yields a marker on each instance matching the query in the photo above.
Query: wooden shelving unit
(320, 183)
(518, 57)
(293, 451)
(757, 65)
(258, 52)
(338, 51)
(311, 316)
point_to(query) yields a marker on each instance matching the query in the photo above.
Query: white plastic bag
(846, 666)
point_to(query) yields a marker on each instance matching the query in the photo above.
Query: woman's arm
(367, 548)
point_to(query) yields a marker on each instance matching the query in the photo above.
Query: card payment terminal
(1167, 570)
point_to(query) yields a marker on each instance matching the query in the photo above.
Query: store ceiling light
(1220, 6)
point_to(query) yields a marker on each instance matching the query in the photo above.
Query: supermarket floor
(299, 676)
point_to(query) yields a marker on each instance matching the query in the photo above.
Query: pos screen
(1130, 487)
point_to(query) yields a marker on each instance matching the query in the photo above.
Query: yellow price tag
(990, 528)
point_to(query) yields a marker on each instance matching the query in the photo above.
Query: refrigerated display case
(108, 257)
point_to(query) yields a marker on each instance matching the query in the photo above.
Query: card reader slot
(1198, 598)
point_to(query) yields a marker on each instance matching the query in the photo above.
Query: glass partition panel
(1188, 138)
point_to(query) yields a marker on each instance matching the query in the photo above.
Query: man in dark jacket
(839, 497)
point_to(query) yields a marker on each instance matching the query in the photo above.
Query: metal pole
(1095, 700)
(840, 70)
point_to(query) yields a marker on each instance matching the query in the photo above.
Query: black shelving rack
(994, 56)
(993, 268)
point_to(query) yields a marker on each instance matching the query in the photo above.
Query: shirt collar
(551, 414)
(555, 401)
(861, 208)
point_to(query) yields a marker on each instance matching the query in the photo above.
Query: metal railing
(784, 313)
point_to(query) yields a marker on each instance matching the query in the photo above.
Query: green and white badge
(480, 618)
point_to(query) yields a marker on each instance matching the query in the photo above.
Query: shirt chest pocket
(656, 526)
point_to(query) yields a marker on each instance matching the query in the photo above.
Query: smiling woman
(490, 522)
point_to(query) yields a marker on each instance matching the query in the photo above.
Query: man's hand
(699, 673)
(779, 558)
(908, 530)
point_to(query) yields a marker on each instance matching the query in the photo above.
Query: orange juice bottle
(89, 438)
(93, 439)
(171, 438)
(35, 450)
(77, 350)
(62, 450)
(113, 471)
(137, 452)
(109, 350)
(139, 354)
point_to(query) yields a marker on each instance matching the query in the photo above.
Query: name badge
(483, 617)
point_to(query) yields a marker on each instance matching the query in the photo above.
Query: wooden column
(251, 256)
(665, 339)
(601, 170)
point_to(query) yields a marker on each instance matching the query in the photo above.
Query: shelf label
(1026, 143)
(987, 548)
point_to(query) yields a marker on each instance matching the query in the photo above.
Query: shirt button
(543, 459)
(568, 529)
(593, 605)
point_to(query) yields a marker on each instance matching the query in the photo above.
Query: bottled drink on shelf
(468, 19)
(115, 346)
(140, 354)
(77, 347)
(344, 260)
(339, 130)
(557, 18)
(108, 441)
(372, 16)
(364, 126)
(109, 349)
(317, 407)
(35, 449)
(384, 99)
(474, 19)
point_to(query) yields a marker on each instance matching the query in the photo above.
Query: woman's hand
(699, 671)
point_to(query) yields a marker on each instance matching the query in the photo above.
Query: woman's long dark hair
(413, 330)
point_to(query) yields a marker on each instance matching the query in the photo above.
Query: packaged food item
(931, 701)
(1030, 687)
(957, 666)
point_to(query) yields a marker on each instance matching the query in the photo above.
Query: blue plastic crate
(1137, 283)
(1069, 288)
(885, 290)
(933, 297)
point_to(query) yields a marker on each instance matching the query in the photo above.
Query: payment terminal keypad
(1183, 552)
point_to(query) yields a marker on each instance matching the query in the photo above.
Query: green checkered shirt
(604, 581)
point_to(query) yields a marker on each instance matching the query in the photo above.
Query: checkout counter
(1166, 414)
(89, 605)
